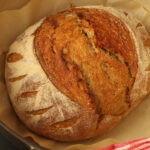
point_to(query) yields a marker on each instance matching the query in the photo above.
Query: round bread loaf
(76, 74)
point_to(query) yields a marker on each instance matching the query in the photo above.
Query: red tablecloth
(140, 144)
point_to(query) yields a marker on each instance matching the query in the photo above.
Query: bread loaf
(76, 74)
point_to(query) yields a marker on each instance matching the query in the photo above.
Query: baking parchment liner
(13, 22)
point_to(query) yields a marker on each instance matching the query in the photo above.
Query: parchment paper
(13, 22)
(9, 4)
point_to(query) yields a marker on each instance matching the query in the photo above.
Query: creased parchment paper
(13, 22)
(11, 4)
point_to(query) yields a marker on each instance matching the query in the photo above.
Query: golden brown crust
(71, 44)
(147, 42)
(28, 94)
(39, 111)
(17, 78)
(13, 57)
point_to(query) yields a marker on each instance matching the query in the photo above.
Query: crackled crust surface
(80, 54)
(75, 74)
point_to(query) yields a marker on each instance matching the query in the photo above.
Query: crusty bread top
(80, 54)
(83, 88)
